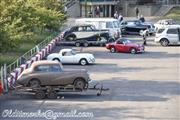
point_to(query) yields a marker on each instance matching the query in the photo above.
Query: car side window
(68, 54)
(109, 25)
(42, 68)
(80, 29)
(172, 31)
(55, 68)
(88, 28)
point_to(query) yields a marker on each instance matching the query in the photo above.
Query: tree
(21, 19)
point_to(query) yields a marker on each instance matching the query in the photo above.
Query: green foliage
(174, 13)
(23, 19)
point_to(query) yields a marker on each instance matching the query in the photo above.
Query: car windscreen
(160, 30)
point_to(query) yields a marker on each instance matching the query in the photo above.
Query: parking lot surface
(142, 87)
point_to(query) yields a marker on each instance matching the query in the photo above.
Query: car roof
(132, 21)
(170, 26)
(82, 25)
(44, 62)
(67, 50)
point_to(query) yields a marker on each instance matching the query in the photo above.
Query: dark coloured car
(134, 27)
(84, 34)
(124, 45)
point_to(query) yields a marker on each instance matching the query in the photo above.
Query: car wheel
(79, 84)
(164, 42)
(56, 59)
(86, 44)
(34, 83)
(40, 94)
(133, 51)
(113, 50)
(77, 44)
(83, 62)
(52, 95)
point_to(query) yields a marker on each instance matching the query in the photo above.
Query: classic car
(84, 35)
(69, 56)
(164, 23)
(124, 45)
(135, 27)
(51, 73)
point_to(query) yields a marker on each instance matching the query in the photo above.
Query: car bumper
(91, 60)
(141, 50)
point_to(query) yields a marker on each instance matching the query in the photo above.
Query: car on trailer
(84, 35)
(51, 73)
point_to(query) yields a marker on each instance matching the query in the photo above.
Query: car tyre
(113, 50)
(34, 83)
(83, 62)
(79, 84)
(77, 44)
(52, 95)
(86, 44)
(164, 42)
(133, 51)
(40, 94)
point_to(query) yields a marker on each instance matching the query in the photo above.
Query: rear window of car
(160, 30)
(48, 68)
(172, 31)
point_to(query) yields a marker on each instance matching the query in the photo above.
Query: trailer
(51, 92)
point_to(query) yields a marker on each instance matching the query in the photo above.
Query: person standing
(116, 15)
(120, 18)
(145, 34)
(137, 11)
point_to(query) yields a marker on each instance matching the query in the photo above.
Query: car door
(55, 75)
(172, 35)
(41, 72)
(67, 57)
(120, 46)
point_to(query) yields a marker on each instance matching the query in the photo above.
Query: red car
(124, 45)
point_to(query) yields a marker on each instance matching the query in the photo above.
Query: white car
(168, 35)
(163, 23)
(69, 56)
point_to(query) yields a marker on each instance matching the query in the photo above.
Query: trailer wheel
(52, 95)
(79, 84)
(40, 94)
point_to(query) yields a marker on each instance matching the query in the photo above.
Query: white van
(168, 35)
(109, 24)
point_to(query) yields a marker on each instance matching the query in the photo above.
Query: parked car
(84, 35)
(135, 27)
(125, 45)
(164, 23)
(108, 24)
(69, 56)
(168, 35)
(51, 73)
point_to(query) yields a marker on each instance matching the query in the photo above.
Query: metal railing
(22, 59)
